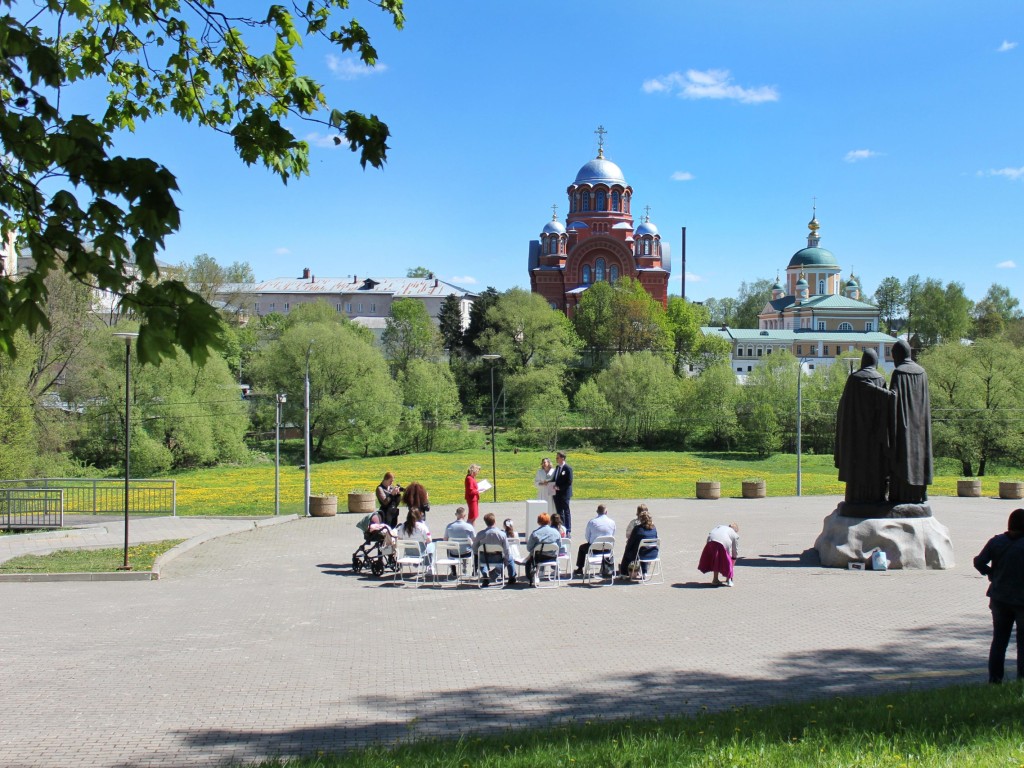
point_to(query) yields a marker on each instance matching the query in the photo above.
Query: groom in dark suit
(563, 491)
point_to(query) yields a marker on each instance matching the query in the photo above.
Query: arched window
(845, 327)
(586, 201)
(625, 199)
(616, 201)
(586, 274)
(821, 286)
(602, 200)
(647, 247)
(576, 201)
(599, 271)
(613, 274)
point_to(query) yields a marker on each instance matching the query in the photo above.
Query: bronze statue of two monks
(884, 439)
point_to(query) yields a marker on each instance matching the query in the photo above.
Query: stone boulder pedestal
(908, 542)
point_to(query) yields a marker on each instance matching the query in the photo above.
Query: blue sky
(905, 120)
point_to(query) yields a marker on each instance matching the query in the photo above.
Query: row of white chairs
(553, 569)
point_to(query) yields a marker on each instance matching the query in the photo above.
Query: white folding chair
(412, 556)
(601, 546)
(517, 556)
(547, 573)
(446, 558)
(492, 556)
(648, 556)
(565, 556)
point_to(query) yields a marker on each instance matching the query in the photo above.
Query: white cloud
(463, 280)
(1006, 46)
(281, 251)
(692, 278)
(682, 176)
(1006, 265)
(350, 68)
(855, 155)
(324, 141)
(710, 84)
(1013, 174)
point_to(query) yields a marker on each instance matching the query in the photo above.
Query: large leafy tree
(592, 318)
(409, 334)
(685, 320)
(101, 217)
(524, 330)
(941, 314)
(997, 311)
(355, 405)
(753, 297)
(891, 299)
(449, 320)
(431, 400)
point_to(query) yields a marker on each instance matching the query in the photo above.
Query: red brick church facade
(598, 241)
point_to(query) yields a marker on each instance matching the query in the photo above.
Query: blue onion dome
(802, 282)
(600, 171)
(778, 284)
(852, 282)
(647, 228)
(554, 227)
(813, 257)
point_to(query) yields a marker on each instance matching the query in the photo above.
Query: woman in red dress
(472, 494)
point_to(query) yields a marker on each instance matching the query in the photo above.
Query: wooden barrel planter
(968, 488)
(361, 502)
(709, 489)
(323, 506)
(754, 489)
(1011, 489)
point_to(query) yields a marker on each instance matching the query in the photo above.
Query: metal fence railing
(31, 508)
(92, 496)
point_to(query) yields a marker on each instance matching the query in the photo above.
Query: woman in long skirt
(720, 553)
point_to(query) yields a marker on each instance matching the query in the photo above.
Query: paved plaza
(263, 643)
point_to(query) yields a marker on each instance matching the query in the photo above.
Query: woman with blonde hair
(472, 494)
(545, 482)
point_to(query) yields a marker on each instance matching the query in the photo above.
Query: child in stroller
(377, 550)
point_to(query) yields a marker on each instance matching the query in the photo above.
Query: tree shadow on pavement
(922, 657)
(806, 559)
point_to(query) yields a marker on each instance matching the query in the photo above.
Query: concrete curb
(166, 557)
(65, 533)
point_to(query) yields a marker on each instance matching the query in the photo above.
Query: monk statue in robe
(862, 434)
(910, 430)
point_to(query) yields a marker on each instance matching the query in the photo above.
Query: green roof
(813, 257)
(802, 336)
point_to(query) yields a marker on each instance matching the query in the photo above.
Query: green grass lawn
(960, 727)
(141, 557)
(626, 475)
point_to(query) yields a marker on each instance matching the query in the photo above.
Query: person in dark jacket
(644, 529)
(1002, 560)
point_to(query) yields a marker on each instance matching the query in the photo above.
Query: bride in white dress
(544, 480)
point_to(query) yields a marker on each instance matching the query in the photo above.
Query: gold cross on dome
(600, 138)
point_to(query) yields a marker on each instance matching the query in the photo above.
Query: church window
(869, 326)
(586, 201)
(647, 247)
(616, 201)
(602, 201)
(821, 286)
(599, 271)
(845, 327)
(576, 201)
(613, 274)
(626, 200)
(586, 274)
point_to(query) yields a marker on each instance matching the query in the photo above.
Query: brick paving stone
(264, 643)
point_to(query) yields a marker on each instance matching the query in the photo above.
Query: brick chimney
(305, 273)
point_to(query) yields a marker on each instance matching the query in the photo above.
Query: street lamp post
(799, 422)
(281, 400)
(492, 359)
(309, 350)
(127, 434)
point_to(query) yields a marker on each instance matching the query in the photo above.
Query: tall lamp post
(492, 359)
(309, 349)
(281, 400)
(127, 433)
(799, 421)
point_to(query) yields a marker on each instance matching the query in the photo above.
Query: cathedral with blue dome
(598, 240)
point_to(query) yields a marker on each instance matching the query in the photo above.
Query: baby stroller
(376, 551)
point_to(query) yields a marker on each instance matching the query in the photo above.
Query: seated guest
(493, 537)
(720, 552)
(461, 531)
(644, 529)
(599, 525)
(413, 528)
(635, 520)
(415, 497)
(556, 523)
(510, 529)
(543, 534)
